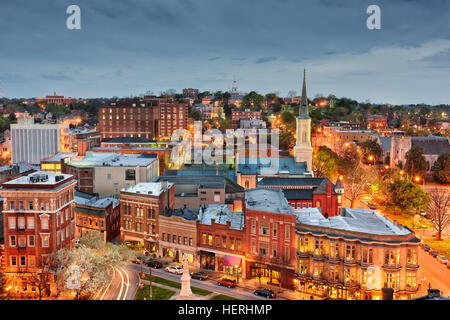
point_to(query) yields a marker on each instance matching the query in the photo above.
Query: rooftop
(93, 201)
(150, 188)
(185, 213)
(221, 215)
(39, 178)
(266, 166)
(270, 200)
(202, 181)
(355, 220)
(99, 159)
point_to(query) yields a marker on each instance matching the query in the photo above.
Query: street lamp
(371, 158)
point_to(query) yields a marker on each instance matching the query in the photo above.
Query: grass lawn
(157, 293)
(223, 297)
(408, 221)
(177, 285)
(442, 247)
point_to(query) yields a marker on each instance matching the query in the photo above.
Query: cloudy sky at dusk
(127, 47)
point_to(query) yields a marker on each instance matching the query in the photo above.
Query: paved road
(122, 286)
(211, 285)
(434, 272)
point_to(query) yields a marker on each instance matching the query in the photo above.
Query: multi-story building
(105, 174)
(190, 93)
(97, 215)
(38, 213)
(140, 208)
(354, 255)
(173, 116)
(195, 191)
(57, 99)
(270, 237)
(377, 122)
(149, 118)
(309, 192)
(32, 142)
(130, 118)
(237, 115)
(53, 163)
(178, 229)
(85, 140)
(221, 238)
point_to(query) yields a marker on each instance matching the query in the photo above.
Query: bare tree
(41, 281)
(355, 183)
(440, 200)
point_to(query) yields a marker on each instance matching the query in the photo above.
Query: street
(434, 272)
(125, 283)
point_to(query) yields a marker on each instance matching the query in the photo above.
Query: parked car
(153, 264)
(138, 260)
(443, 259)
(373, 206)
(174, 269)
(227, 282)
(434, 253)
(426, 247)
(265, 293)
(199, 276)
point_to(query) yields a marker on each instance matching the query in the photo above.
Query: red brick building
(221, 238)
(38, 220)
(237, 115)
(100, 215)
(377, 122)
(140, 208)
(270, 237)
(309, 193)
(149, 118)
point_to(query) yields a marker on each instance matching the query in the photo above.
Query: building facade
(39, 219)
(140, 208)
(32, 142)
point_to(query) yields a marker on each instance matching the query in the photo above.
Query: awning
(232, 261)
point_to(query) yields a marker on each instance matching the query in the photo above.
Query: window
(218, 241)
(44, 223)
(179, 239)
(231, 243)
(21, 223)
(303, 266)
(254, 247)
(30, 205)
(411, 256)
(392, 280)
(31, 241)
(210, 239)
(264, 228)
(23, 261)
(190, 241)
(350, 252)
(30, 222)
(333, 273)
(130, 174)
(203, 238)
(13, 261)
(11, 205)
(318, 269)
(411, 279)
(12, 222)
(367, 255)
(391, 256)
(274, 228)
(287, 234)
(304, 245)
(334, 249)
(108, 176)
(263, 248)
(45, 241)
(319, 247)
(184, 241)
(22, 242)
(217, 198)
(253, 226)
(12, 241)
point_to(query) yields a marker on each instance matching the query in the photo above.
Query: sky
(129, 47)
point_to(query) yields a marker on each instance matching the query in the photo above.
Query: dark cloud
(131, 46)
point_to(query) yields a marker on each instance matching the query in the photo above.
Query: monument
(186, 292)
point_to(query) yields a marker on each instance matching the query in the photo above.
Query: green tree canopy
(441, 168)
(325, 162)
(371, 148)
(252, 101)
(415, 162)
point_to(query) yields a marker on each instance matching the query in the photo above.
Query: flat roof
(221, 215)
(269, 200)
(148, 188)
(355, 220)
(93, 201)
(101, 159)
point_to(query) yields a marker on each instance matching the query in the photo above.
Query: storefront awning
(231, 261)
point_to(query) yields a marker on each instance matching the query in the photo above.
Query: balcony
(350, 261)
(412, 265)
(392, 266)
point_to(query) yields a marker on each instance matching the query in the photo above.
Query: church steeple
(304, 101)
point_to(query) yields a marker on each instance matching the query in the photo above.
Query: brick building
(99, 215)
(221, 238)
(309, 192)
(38, 220)
(377, 122)
(270, 237)
(237, 115)
(140, 208)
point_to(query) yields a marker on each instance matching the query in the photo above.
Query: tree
(441, 168)
(404, 196)
(355, 182)
(440, 200)
(371, 148)
(252, 100)
(415, 162)
(93, 261)
(195, 114)
(41, 281)
(325, 162)
(2, 280)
